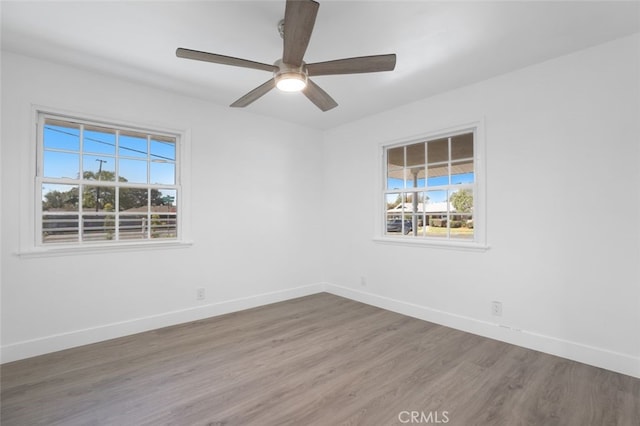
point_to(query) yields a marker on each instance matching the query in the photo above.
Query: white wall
(563, 206)
(254, 217)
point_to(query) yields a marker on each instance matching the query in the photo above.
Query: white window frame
(479, 242)
(31, 227)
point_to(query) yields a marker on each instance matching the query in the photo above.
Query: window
(431, 191)
(100, 183)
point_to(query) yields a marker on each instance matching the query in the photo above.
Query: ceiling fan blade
(358, 65)
(319, 97)
(255, 94)
(224, 60)
(299, 19)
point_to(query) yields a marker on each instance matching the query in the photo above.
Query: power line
(113, 145)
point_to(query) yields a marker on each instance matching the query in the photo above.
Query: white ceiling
(440, 45)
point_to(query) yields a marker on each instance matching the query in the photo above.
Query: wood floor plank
(316, 360)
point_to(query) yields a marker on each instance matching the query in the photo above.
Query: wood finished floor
(317, 360)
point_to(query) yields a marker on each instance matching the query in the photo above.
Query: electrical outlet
(496, 309)
(200, 294)
(363, 281)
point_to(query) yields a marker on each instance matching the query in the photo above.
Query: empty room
(290, 212)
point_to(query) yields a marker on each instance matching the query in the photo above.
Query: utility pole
(98, 188)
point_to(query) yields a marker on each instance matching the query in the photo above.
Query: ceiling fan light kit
(291, 74)
(290, 79)
(291, 82)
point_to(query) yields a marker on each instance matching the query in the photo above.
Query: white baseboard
(57, 342)
(598, 357)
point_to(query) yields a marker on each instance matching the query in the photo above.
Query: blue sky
(434, 196)
(62, 156)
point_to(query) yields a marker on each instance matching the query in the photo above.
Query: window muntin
(429, 189)
(105, 184)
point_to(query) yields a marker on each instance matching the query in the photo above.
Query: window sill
(448, 245)
(101, 248)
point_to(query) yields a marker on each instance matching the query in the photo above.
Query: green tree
(104, 175)
(58, 200)
(105, 196)
(462, 201)
(137, 197)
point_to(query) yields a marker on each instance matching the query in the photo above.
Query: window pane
(98, 198)
(413, 202)
(396, 225)
(133, 227)
(99, 140)
(394, 203)
(438, 151)
(415, 177)
(164, 213)
(59, 228)
(163, 149)
(395, 157)
(165, 198)
(61, 135)
(415, 154)
(415, 225)
(132, 144)
(98, 227)
(98, 168)
(462, 172)
(61, 165)
(437, 226)
(462, 146)
(163, 225)
(438, 175)
(162, 173)
(436, 212)
(462, 227)
(394, 182)
(134, 171)
(134, 200)
(59, 222)
(59, 197)
(395, 168)
(462, 201)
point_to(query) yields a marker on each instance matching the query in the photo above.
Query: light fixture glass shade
(291, 82)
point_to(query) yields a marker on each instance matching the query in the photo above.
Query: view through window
(429, 190)
(100, 183)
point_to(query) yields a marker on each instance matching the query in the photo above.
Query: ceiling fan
(291, 73)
